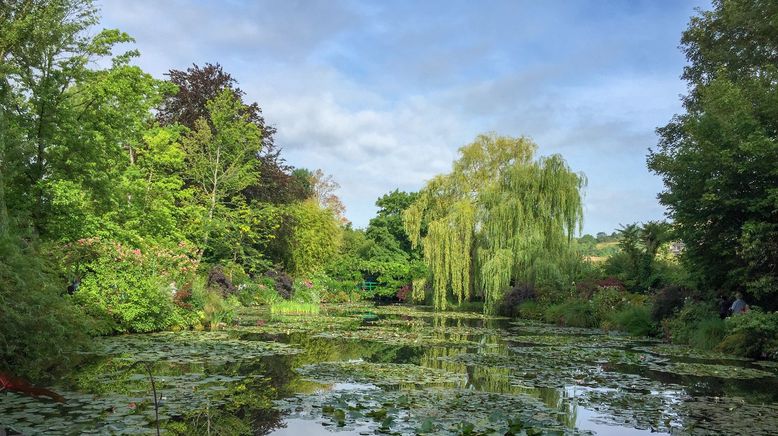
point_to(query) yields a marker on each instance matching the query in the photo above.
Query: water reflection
(583, 379)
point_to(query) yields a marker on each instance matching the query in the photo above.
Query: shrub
(219, 281)
(585, 289)
(41, 329)
(515, 297)
(572, 313)
(284, 284)
(607, 301)
(331, 296)
(611, 282)
(547, 296)
(752, 334)
(667, 301)
(683, 326)
(709, 333)
(531, 310)
(405, 293)
(218, 311)
(131, 289)
(308, 291)
(635, 320)
(123, 288)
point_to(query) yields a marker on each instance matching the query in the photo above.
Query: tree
(73, 127)
(316, 237)
(717, 160)
(389, 216)
(324, 187)
(220, 156)
(636, 263)
(500, 216)
(198, 85)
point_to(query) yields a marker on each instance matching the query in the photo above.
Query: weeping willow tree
(500, 216)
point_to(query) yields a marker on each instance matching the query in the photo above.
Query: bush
(531, 310)
(41, 329)
(572, 313)
(752, 334)
(218, 311)
(131, 289)
(284, 284)
(667, 301)
(122, 287)
(709, 334)
(308, 290)
(682, 328)
(218, 280)
(635, 320)
(607, 301)
(405, 293)
(515, 297)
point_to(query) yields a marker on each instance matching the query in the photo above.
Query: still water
(408, 372)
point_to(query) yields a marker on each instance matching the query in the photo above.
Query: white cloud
(381, 95)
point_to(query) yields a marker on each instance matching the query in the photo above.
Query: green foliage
(389, 217)
(683, 327)
(309, 290)
(717, 160)
(709, 334)
(531, 310)
(218, 311)
(121, 286)
(607, 301)
(130, 289)
(637, 263)
(633, 319)
(316, 237)
(572, 313)
(294, 308)
(752, 334)
(41, 328)
(501, 214)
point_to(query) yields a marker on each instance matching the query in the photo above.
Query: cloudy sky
(381, 94)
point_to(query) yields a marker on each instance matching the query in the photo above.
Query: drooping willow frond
(500, 216)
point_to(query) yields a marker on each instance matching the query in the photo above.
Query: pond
(405, 371)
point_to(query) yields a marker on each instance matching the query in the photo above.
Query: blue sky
(381, 94)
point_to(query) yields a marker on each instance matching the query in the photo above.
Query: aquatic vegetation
(671, 350)
(711, 370)
(294, 307)
(409, 372)
(431, 411)
(403, 337)
(426, 311)
(380, 374)
(186, 347)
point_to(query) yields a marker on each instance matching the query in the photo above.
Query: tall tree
(198, 85)
(220, 154)
(72, 125)
(389, 216)
(718, 160)
(500, 216)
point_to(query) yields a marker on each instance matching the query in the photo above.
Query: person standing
(739, 306)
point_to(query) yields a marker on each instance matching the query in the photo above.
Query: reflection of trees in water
(497, 379)
(247, 408)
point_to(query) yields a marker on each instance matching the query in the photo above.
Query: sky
(381, 94)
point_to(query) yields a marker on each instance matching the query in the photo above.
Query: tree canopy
(501, 216)
(718, 159)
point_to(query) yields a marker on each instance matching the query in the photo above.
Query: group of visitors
(737, 307)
